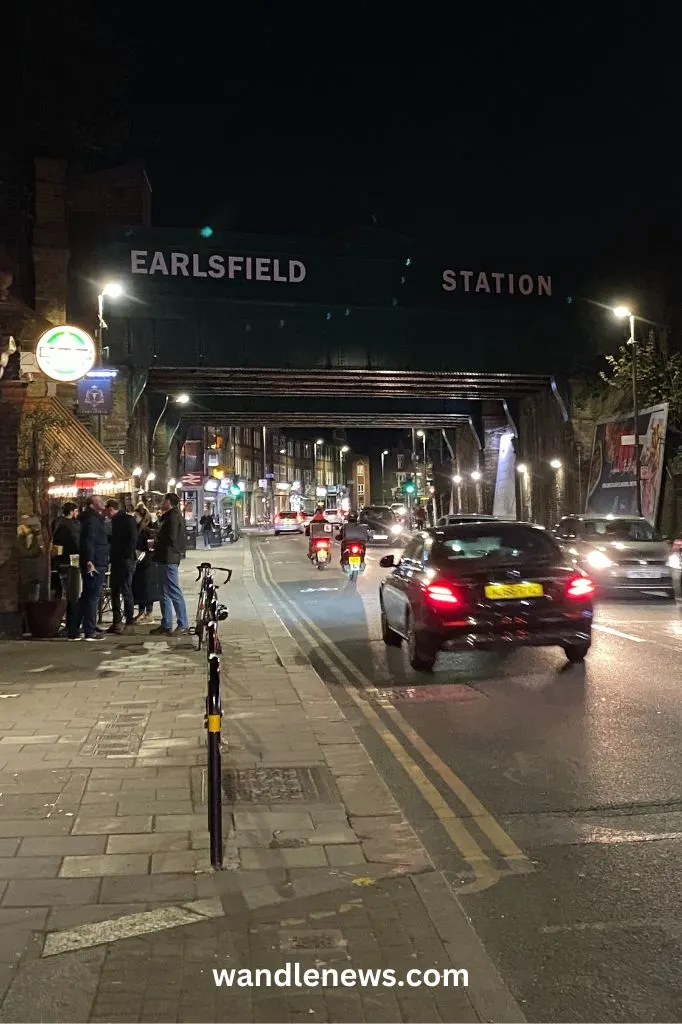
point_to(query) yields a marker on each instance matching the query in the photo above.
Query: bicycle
(209, 613)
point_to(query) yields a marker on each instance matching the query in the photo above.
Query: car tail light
(442, 595)
(580, 588)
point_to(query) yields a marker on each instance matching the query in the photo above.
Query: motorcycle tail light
(355, 549)
(580, 588)
(322, 543)
(442, 595)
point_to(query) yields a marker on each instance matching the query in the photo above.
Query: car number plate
(644, 574)
(380, 536)
(509, 591)
(322, 555)
(355, 560)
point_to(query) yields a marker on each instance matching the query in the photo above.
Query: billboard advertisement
(612, 483)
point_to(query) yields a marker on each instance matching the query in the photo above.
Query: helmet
(352, 517)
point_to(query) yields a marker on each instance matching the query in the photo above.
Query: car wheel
(576, 652)
(421, 657)
(669, 594)
(388, 635)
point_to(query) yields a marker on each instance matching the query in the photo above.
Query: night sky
(545, 134)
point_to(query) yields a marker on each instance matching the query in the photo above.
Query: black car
(485, 585)
(382, 524)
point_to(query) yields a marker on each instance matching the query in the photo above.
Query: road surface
(549, 794)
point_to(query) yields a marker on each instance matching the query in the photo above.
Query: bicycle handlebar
(213, 568)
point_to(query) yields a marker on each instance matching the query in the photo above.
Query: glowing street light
(137, 471)
(171, 484)
(383, 487)
(625, 313)
(182, 399)
(457, 479)
(476, 475)
(316, 445)
(342, 451)
(555, 463)
(522, 468)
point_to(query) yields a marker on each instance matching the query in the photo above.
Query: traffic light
(236, 488)
(409, 486)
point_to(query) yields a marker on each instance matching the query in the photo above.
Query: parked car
(621, 553)
(485, 585)
(289, 522)
(382, 524)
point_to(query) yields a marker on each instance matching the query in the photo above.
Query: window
(297, 448)
(307, 476)
(619, 529)
(247, 468)
(493, 545)
(567, 528)
(290, 449)
(361, 490)
(400, 478)
(361, 469)
(238, 466)
(256, 439)
(307, 451)
(414, 550)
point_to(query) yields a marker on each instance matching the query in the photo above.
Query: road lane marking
(485, 872)
(617, 632)
(130, 925)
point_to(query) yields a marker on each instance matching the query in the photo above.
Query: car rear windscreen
(513, 544)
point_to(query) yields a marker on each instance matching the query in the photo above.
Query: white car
(289, 522)
(334, 516)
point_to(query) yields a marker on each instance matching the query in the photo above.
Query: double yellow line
(486, 873)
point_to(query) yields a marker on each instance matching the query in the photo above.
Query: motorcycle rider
(352, 530)
(316, 528)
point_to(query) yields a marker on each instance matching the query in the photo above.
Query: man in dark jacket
(123, 555)
(66, 534)
(93, 553)
(168, 550)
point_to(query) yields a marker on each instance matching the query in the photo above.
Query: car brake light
(579, 588)
(441, 595)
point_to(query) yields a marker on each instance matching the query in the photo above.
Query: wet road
(549, 794)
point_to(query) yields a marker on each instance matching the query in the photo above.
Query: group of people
(143, 559)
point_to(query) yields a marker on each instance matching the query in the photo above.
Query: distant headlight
(674, 561)
(396, 529)
(598, 560)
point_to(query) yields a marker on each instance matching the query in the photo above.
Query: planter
(44, 618)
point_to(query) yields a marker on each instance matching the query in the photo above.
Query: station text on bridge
(478, 281)
(194, 264)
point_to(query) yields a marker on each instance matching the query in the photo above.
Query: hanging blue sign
(95, 395)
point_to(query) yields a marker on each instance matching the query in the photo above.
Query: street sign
(193, 480)
(95, 395)
(269, 476)
(65, 353)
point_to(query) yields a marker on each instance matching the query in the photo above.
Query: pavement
(109, 909)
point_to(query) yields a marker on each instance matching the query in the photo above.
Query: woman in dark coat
(146, 588)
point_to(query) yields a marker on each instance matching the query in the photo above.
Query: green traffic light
(206, 231)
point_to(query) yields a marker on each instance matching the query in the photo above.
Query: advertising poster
(95, 396)
(504, 502)
(612, 483)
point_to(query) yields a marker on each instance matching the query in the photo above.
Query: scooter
(353, 560)
(321, 552)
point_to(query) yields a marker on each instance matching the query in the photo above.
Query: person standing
(93, 551)
(169, 547)
(146, 572)
(123, 555)
(207, 526)
(66, 539)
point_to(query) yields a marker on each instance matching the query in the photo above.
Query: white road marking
(43, 668)
(617, 632)
(130, 925)
(316, 590)
(6, 696)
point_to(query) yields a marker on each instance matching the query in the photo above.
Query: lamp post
(383, 478)
(342, 451)
(316, 445)
(422, 434)
(111, 290)
(623, 313)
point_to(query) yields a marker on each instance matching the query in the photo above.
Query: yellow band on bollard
(214, 723)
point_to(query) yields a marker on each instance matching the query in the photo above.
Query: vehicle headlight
(674, 561)
(598, 560)
(396, 529)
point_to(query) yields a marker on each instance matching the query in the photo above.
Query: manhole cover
(426, 694)
(279, 785)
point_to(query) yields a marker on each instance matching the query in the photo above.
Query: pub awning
(76, 452)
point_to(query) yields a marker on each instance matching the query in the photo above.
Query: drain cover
(279, 785)
(314, 940)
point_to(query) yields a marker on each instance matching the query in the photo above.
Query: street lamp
(623, 313)
(111, 290)
(383, 481)
(522, 468)
(316, 445)
(476, 475)
(422, 434)
(182, 399)
(342, 451)
(171, 484)
(555, 463)
(457, 479)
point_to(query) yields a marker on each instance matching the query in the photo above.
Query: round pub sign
(65, 353)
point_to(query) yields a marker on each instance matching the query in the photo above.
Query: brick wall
(50, 244)
(544, 435)
(12, 398)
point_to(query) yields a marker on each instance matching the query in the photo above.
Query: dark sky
(546, 131)
(537, 130)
